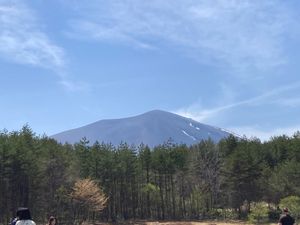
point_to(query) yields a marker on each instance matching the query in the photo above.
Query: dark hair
(23, 213)
(286, 210)
(52, 218)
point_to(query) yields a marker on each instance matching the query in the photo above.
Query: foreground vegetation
(228, 180)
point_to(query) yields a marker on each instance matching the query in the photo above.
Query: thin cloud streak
(98, 32)
(288, 102)
(194, 111)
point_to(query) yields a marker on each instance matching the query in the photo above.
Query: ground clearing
(182, 223)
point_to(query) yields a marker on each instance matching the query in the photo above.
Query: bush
(228, 214)
(259, 212)
(292, 203)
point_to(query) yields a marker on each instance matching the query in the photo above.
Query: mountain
(151, 128)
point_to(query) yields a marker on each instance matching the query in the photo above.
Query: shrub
(292, 203)
(259, 212)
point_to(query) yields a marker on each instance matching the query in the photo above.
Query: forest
(231, 179)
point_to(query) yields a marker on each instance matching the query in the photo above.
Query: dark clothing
(287, 220)
(23, 213)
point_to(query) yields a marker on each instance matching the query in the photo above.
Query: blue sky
(228, 63)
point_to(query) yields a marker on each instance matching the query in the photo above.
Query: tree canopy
(170, 181)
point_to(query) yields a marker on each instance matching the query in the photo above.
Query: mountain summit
(151, 128)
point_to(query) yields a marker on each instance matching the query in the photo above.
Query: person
(24, 217)
(286, 219)
(52, 221)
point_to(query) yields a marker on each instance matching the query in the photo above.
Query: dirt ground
(183, 223)
(198, 223)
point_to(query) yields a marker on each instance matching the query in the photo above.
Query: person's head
(52, 220)
(23, 214)
(285, 210)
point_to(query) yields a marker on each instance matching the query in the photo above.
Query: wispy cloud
(98, 32)
(197, 112)
(241, 34)
(74, 86)
(23, 41)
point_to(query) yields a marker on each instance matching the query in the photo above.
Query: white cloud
(247, 33)
(22, 40)
(200, 114)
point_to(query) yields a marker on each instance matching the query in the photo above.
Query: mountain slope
(151, 128)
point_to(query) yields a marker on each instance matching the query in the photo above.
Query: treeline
(206, 180)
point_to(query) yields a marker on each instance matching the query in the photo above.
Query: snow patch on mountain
(189, 135)
(191, 125)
